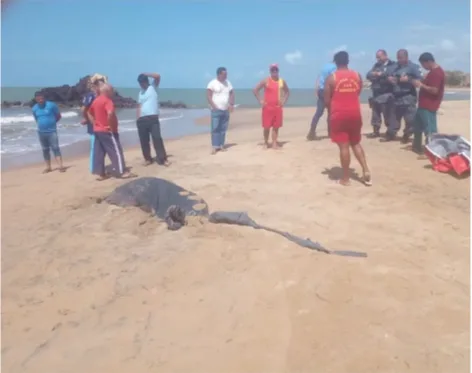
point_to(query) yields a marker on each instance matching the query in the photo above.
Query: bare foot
(213, 151)
(147, 163)
(47, 170)
(344, 182)
(275, 146)
(223, 149)
(266, 145)
(166, 163)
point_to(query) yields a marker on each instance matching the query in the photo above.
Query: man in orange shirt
(107, 139)
(276, 94)
(342, 90)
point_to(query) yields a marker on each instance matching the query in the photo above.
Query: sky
(55, 42)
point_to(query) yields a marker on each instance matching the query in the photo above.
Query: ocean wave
(171, 118)
(18, 138)
(25, 118)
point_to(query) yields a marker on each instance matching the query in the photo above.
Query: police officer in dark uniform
(382, 101)
(401, 75)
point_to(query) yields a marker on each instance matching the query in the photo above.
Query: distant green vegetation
(457, 78)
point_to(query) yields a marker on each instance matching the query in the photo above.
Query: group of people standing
(99, 117)
(394, 97)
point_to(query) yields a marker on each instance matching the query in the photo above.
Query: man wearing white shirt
(220, 96)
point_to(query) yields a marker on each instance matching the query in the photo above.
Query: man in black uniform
(382, 101)
(402, 75)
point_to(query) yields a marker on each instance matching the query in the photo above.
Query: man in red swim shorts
(342, 90)
(276, 94)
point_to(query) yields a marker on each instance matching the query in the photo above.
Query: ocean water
(19, 129)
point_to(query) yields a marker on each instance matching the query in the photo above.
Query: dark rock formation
(172, 105)
(71, 96)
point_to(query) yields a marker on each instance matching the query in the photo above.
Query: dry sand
(93, 288)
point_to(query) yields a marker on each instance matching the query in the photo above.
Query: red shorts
(272, 117)
(346, 130)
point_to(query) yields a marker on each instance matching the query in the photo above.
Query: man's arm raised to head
(156, 78)
(328, 91)
(258, 88)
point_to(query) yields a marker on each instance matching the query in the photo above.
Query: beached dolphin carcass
(172, 203)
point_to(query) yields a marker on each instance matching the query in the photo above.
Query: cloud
(338, 49)
(237, 76)
(447, 45)
(293, 57)
(359, 54)
(422, 27)
(450, 47)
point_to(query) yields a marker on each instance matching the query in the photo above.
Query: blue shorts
(49, 142)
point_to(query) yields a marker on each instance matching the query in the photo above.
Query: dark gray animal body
(241, 218)
(173, 203)
(163, 198)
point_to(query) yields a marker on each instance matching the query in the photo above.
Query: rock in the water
(156, 195)
(72, 96)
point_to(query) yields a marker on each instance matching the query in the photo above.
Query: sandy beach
(89, 287)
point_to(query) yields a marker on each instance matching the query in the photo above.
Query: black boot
(375, 134)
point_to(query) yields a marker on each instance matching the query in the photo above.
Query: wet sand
(89, 287)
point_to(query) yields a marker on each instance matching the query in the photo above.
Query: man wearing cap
(327, 70)
(276, 93)
(148, 119)
(93, 86)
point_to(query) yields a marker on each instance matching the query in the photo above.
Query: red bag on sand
(456, 162)
(459, 164)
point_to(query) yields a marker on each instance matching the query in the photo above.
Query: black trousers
(387, 110)
(150, 127)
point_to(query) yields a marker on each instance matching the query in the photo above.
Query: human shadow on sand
(336, 173)
(280, 144)
(230, 145)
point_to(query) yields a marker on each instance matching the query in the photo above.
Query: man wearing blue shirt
(327, 70)
(148, 119)
(46, 115)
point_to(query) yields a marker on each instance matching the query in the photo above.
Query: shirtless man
(341, 95)
(276, 94)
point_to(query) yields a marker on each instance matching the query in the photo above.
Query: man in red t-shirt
(107, 140)
(429, 99)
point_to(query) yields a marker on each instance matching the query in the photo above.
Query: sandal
(367, 179)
